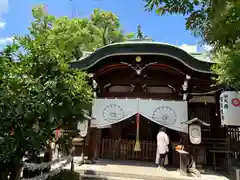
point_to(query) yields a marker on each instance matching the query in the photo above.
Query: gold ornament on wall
(138, 59)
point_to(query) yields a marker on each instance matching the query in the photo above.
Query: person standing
(162, 147)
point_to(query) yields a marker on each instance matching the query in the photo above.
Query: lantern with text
(230, 108)
(194, 130)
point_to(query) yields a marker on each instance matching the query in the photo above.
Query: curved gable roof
(143, 48)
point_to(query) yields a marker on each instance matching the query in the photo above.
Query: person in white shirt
(162, 147)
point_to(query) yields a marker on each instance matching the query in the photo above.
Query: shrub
(65, 175)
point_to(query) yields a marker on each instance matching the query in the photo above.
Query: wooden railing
(124, 149)
(234, 135)
(216, 143)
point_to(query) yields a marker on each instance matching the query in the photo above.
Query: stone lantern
(79, 141)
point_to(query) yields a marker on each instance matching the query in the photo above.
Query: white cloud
(2, 24)
(189, 48)
(3, 7)
(3, 10)
(7, 40)
(207, 48)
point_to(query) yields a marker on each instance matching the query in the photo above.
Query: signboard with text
(230, 108)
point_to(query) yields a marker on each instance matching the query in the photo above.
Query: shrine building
(141, 85)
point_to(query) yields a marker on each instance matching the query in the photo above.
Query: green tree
(40, 92)
(109, 25)
(130, 35)
(227, 66)
(218, 24)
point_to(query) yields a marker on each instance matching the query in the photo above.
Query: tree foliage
(38, 90)
(227, 66)
(109, 24)
(217, 23)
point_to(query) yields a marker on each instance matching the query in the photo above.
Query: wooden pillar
(185, 139)
(92, 144)
(116, 132)
(99, 142)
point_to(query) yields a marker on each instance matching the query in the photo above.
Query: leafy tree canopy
(218, 24)
(38, 90)
(110, 24)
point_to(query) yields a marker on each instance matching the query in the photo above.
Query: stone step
(103, 175)
(95, 177)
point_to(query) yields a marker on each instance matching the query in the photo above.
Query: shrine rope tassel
(137, 146)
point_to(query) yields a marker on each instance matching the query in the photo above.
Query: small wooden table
(184, 160)
(228, 156)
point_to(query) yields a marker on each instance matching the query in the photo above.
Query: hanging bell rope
(137, 146)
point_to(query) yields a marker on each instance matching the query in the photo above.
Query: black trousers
(162, 159)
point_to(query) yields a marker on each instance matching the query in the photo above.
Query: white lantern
(194, 130)
(195, 134)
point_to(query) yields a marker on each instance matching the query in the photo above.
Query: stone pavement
(113, 170)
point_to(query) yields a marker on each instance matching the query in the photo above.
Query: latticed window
(203, 112)
(119, 89)
(159, 89)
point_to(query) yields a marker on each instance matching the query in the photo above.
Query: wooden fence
(234, 135)
(124, 150)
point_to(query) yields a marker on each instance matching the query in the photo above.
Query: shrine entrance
(164, 84)
(118, 141)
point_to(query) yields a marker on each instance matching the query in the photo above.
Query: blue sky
(15, 17)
